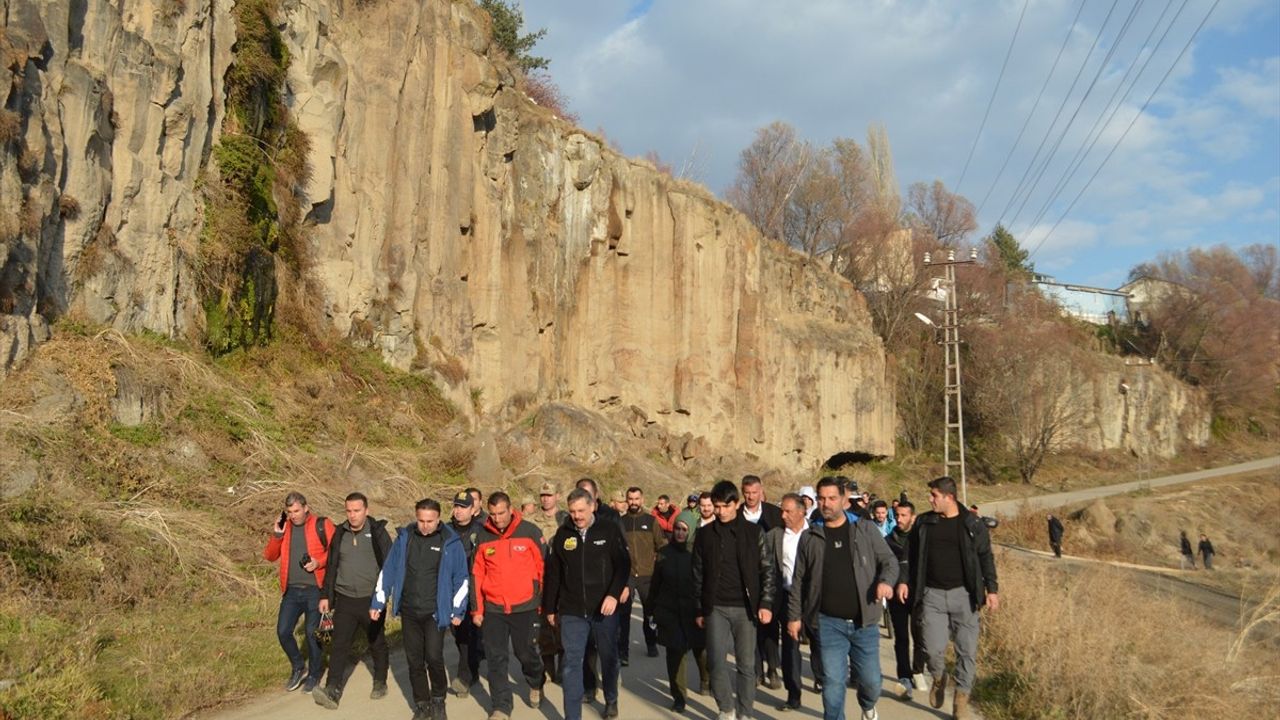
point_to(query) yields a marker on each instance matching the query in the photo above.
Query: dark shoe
(789, 705)
(325, 697)
(938, 691)
(379, 691)
(310, 684)
(610, 710)
(422, 711)
(295, 680)
(437, 710)
(677, 707)
(653, 651)
(773, 682)
(624, 661)
(588, 697)
(817, 686)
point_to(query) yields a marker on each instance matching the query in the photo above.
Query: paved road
(643, 696)
(1009, 508)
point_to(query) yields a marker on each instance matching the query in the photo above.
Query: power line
(995, 90)
(1127, 129)
(1065, 40)
(1102, 67)
(1034, 158)
(1113, 106)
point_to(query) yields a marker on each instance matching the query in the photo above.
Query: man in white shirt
(783, 542)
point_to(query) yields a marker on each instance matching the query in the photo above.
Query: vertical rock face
(116, 106)
(1140, 409)
(460, 227)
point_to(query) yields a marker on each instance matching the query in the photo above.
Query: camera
(302, 562)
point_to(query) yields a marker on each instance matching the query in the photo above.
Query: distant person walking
(674, 609)
(1055, 535)
(356, 554)
(1184, 547)
(953, 575)
(587, 569)
(908, 647)
(425, 579)
(1206, 551)
(844, 570)
(300, 543)
(644, 541)
(734, 582)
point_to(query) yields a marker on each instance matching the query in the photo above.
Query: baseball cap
(692, 497)
(808, 492)
(463, 499)
(548, 488)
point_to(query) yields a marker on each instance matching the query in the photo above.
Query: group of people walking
(730, 575)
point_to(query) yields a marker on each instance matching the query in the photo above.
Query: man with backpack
(356, 553)
(299, 543)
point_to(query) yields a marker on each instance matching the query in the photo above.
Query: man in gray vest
(356, 554)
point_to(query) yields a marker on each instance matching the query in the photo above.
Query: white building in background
(1095, 305)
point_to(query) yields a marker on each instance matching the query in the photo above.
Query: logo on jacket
(571, 543)
(519, 548)
(490, 551)
(597, 542)
(839, 544)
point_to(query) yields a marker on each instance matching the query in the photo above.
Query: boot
(437, 709)
(960, 711)
(938, 690)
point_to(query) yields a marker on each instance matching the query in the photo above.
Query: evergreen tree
(1010, 253)
(507, 23)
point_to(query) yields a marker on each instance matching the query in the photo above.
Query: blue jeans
(574, 631)
(296, 602)
(844, 642)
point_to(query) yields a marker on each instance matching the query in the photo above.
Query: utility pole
(953, 431)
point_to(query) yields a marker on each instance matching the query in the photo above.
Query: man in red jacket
(300, 543)
(506, 593)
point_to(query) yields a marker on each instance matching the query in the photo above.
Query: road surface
(643, 696)
(1009, 508)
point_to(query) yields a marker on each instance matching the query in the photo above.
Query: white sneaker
(920, 681)
(726, 716)
(870, 714)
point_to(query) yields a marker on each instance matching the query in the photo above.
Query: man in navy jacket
(425, 580)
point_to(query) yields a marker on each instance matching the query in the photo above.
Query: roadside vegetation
(131, 579)
(1089, 644)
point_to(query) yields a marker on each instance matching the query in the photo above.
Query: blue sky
(693, 79)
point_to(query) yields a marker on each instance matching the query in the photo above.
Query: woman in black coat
(671, 596)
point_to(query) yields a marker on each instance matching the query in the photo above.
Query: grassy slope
(131, 578)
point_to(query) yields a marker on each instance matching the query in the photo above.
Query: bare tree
(947, 216)
(769, 171)
(1020, 380)
(813, 215)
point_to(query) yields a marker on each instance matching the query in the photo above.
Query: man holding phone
(299, 542)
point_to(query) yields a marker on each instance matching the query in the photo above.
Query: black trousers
(790, 662)
(815, 654)
(768, 637)
(519, 630)
(351, 615)
(424, 651)
(640, 588)
(467, 637)
(908, 650)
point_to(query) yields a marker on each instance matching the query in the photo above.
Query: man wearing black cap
(466, 635)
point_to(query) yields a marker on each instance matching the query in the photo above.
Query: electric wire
(992, 100)
(1102, 68)
(1112, 108)
(1057, 116)
(1000, 173)
(1125, 134)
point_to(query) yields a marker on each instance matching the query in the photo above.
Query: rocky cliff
(453, 224)
(1138, 408)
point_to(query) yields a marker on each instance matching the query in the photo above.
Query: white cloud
(706, 74)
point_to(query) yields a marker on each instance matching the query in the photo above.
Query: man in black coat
(587, 570)
(755, 509)
(1055, 535)
(734, 582)
(356, 553)
(953, 576)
